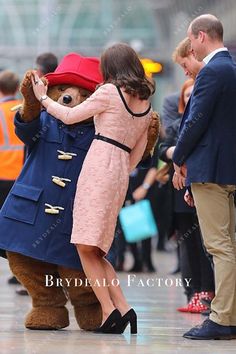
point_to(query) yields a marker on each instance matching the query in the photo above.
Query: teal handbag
(137, 221)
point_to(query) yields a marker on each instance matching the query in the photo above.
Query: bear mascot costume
(36, 218)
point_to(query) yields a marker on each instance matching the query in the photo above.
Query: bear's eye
(84, 94)
(62, 88)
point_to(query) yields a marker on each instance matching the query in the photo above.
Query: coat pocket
(22, 203)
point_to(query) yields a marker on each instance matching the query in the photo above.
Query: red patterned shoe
(198, 307)
(206, 298)
(191, 304)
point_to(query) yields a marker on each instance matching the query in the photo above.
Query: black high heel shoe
(109, 326)
(129, 318)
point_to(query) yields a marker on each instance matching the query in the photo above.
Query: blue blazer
(25, 228)
(207, 141)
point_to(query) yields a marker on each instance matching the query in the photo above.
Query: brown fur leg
(86, 306)
(49, 311)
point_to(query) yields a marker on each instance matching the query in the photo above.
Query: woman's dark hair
(121, 66)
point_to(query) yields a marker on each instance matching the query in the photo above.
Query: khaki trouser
(216, 214)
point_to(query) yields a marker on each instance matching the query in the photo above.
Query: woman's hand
(139, 193)
(40, 89)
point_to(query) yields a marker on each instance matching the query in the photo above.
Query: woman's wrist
(45, 101)
(170, 152)
(146, 186)
(43, 98)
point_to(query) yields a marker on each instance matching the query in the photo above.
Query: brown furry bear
(49, 311)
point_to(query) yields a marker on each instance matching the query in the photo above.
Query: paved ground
(160, 327)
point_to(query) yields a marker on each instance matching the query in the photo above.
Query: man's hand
(179, 178)
(178, 181)
(183, 170)
(189, 199)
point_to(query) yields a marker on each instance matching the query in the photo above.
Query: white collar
(212, 54)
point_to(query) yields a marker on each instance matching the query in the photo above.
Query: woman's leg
(115, 290)
(99, 270)
(93, 265)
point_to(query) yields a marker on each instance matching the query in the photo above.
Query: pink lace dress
(103, 181)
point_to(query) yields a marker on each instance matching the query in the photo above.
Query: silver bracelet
(146, 186)
(42, 98)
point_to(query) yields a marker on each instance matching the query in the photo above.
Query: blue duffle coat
(55, 157)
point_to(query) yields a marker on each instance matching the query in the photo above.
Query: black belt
(113, 142)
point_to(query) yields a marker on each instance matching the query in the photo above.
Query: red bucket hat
(76, 70)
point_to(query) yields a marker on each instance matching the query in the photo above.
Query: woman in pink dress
(122, 114)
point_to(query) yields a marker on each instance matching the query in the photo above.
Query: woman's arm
(138, 151)
(167, 146)
(95, 104)
(141, 191)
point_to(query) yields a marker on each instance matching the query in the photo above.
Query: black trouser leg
(206, 266)
(147, 254)
(137, 267)
(185, 270)
(202, 274)
(5, 187)
(120, 245)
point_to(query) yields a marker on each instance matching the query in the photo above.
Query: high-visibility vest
(11, 148)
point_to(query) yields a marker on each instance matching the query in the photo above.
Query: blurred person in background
(142, 251)
(194, 262)
(11, 148)
(170, 110)
(46, 63)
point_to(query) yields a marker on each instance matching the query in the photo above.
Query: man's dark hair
(9, 82)
(208, 24)
(47, 62)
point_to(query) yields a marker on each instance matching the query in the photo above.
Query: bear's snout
(67, 99)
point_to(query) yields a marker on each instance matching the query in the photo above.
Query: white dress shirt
(212, 54)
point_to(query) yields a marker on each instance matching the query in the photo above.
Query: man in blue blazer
(206, 149)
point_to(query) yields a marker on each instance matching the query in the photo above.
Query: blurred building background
(152, 27)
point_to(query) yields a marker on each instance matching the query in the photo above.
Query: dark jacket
(207, 141)
(170, 109)
(171, 137)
